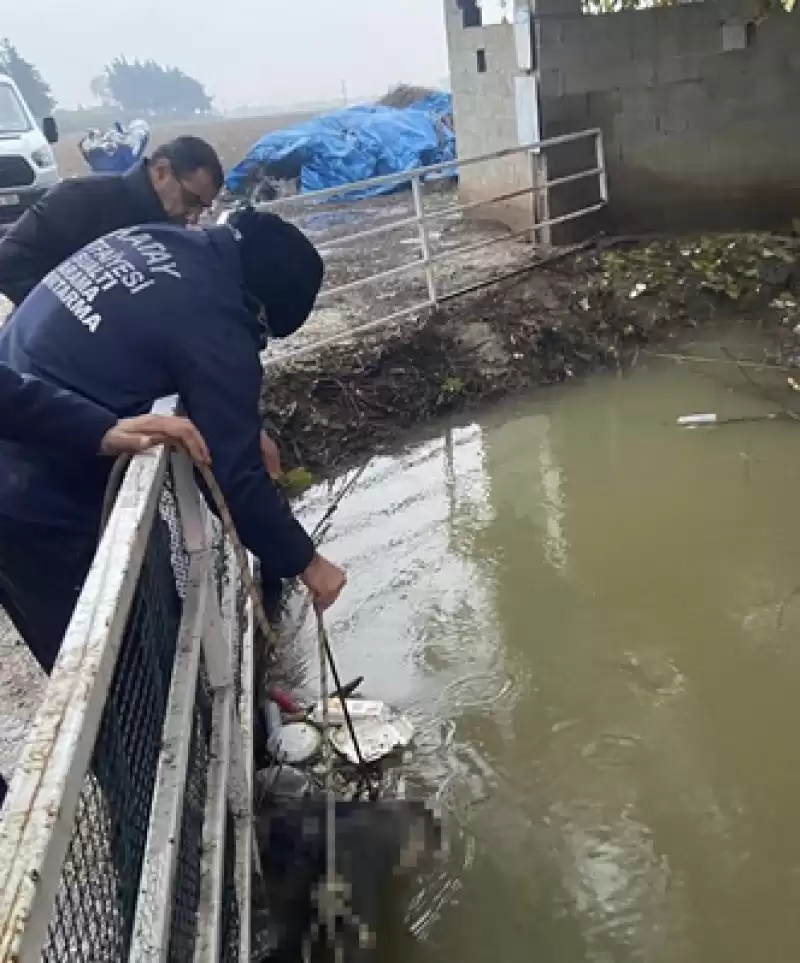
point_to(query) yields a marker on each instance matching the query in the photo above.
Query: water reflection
(590, 615)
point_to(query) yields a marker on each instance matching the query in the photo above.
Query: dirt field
(231, 138)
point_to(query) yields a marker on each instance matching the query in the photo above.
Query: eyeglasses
(192, 202)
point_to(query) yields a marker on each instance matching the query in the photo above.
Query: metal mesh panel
(187, 880)
(230, 907)
(168, 510)
(96, 901)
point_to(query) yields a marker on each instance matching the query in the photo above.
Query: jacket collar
(149, 208)
(224, 242)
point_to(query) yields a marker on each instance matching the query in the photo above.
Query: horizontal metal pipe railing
(423, 172)
(421, 218)
(378, 276)
(455, 209)
(438, 258)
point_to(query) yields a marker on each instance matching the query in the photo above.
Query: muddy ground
(568, 314)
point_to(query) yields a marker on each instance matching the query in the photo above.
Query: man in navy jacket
(142, 313)
(34, 412)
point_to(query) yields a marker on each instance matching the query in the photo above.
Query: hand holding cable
(324, 580)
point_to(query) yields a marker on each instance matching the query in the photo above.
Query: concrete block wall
(485, 117)
(697, 137)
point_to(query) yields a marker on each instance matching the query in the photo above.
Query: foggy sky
(254, 52)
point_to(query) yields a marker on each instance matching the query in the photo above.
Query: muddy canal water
(594, 619)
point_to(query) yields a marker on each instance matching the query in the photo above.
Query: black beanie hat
(282, 269)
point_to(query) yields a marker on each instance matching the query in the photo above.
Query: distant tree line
(150, 88)
(139, 87)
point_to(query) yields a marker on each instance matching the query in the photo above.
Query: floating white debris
(377, 739)
(295, 743)
(637, 290)
(358, 709)
(689, 421)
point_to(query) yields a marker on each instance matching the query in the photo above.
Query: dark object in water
(282, 783)
(375, 843)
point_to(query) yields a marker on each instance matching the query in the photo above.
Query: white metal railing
(540, 223)
(47, 810)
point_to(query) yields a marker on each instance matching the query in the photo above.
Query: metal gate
(428, 210)
(127, 831)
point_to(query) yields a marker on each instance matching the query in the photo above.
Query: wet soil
(564, 317)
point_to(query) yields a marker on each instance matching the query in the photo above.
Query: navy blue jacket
(35, 413)
(142, 313)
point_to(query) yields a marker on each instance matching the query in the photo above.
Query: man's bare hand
(324, 580)
(132, 435)
(271, 456)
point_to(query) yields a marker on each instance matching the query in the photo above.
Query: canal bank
(567, 316)
(590, 615)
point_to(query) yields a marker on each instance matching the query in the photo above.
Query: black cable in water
(363, 765)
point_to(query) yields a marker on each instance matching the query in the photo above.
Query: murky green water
(594, 618)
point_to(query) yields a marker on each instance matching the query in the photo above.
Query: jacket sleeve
(220, 385)
(34, 412)
(42, 238)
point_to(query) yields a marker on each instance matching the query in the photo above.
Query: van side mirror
(50, 130)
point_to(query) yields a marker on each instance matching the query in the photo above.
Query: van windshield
(13, 119)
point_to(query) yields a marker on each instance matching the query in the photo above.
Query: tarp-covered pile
(116, 150)
(352, 145)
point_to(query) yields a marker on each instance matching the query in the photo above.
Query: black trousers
(42, 571)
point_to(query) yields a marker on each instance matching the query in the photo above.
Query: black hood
(282, 269)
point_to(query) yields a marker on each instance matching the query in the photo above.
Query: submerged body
(376, 844)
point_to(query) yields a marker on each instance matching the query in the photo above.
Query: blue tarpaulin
(353, 145)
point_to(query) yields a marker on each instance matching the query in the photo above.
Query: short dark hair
(187, 154)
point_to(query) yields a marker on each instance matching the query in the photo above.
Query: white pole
(419, 212)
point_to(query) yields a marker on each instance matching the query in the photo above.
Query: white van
(27, 163)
